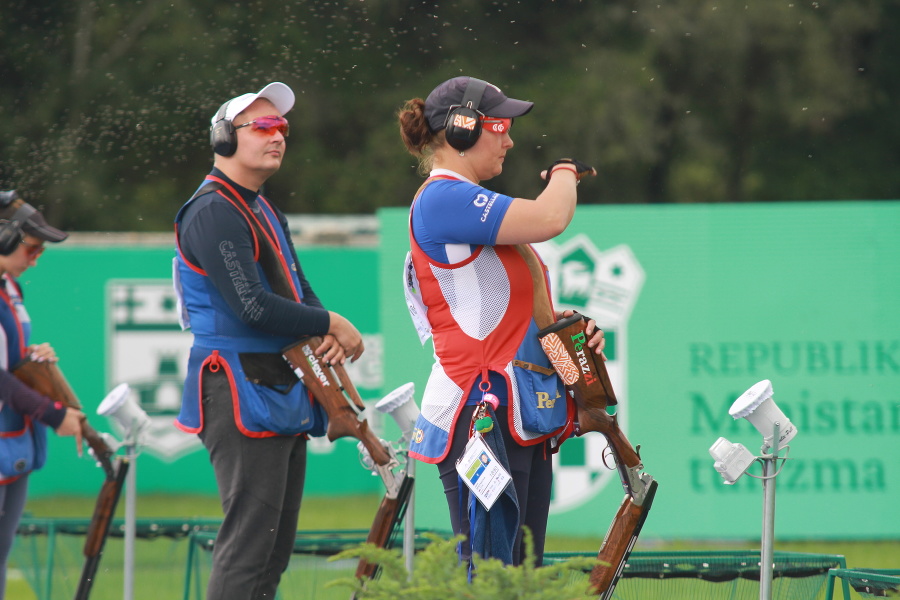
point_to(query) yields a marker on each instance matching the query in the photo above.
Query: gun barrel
(619, 542)
(386, 523)
(98, 530)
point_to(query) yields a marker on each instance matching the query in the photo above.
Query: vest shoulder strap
(268, 255)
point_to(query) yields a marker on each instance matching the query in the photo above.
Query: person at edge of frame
(469, 288)
(244, 296)
(24, 413)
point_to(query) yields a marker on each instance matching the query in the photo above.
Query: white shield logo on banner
(148, 350)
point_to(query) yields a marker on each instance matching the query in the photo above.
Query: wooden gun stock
(565, 344)
(608, 425)
(333, 390)
(46, 378)
(385, 525)
(98, 529)
(618, 543)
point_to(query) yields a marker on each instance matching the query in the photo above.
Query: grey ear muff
(463, 123)
(11, 234)
(222, 136)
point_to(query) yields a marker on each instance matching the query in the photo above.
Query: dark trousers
(12, 504)
(531, 468)
(260, 484)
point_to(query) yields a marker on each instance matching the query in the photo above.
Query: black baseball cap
(494, 103)
(28, 218)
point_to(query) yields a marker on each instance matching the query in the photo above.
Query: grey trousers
(260, 483)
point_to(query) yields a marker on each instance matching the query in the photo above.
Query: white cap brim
(279, 94)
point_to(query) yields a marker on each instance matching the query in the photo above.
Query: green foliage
(438, 575)
(105, 107)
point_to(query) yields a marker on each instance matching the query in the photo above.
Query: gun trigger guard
(637, 451)
(608, 452)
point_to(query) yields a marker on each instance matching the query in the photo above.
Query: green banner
(701, 302)
(110, 313)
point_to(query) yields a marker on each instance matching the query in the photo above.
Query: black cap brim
(37, 226)
(508, 109)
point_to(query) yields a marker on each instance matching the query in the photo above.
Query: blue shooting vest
(23, 442)
(220, 337)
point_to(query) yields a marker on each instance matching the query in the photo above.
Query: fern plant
(439, 575)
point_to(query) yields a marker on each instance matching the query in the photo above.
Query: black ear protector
(222, 136)
(463, 123)
(11, 229)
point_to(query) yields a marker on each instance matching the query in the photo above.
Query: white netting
(441, 398)
(477, 293)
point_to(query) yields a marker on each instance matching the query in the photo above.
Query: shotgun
(565, 343)
(46, 378)
(393, 509)
(331, 387)
(586, 378)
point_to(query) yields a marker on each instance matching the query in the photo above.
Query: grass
(157, 578)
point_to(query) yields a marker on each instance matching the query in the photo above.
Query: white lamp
(121, 407)
(401, 405)
(757, 406)
(732, 460)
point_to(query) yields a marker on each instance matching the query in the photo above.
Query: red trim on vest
(184, 259)
(268, 232)
(215, 362)
(19, 432)
(281, 256)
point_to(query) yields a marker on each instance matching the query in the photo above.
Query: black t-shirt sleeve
(215, 237)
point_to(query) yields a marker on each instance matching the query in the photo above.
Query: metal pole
(409, 521)
(130, 521)
(767, 551)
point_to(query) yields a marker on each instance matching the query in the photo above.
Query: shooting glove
(579, 168)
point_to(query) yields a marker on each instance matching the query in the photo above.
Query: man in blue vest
(244, 296)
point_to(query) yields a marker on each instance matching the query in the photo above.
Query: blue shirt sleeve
(450, 211)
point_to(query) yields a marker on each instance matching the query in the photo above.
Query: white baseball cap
(277, 93)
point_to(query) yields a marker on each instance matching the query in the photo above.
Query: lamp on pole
(132, 421)
(732, 461)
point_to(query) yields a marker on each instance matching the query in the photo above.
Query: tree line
(105, 107)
